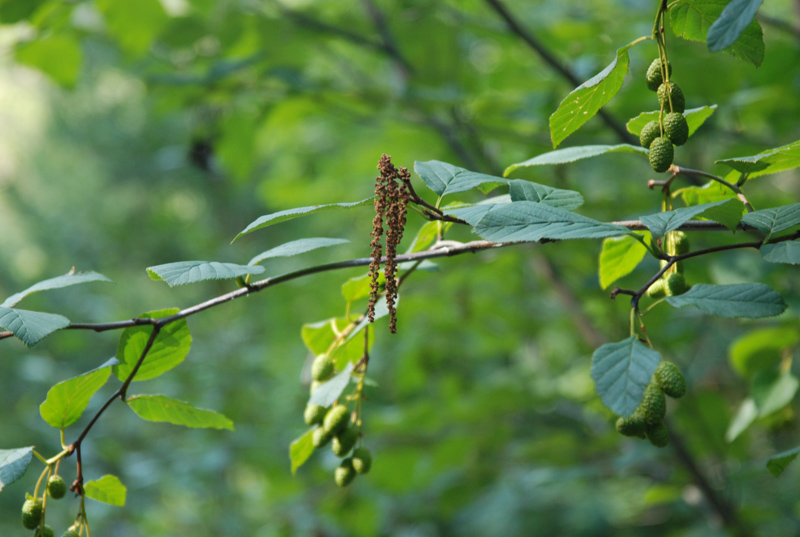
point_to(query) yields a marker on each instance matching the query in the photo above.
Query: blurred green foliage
(147, 132)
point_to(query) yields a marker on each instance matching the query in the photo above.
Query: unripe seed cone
(658, 434)
(633, 425)
(322, 367)
(344, 442)
(314, 414)
(654, 404)
(336, 419)
(655, 74)
(671, 380)
(676, 128)
(362, 460)
(344, 473)
(650, 132)
(661, 154)
(674, 94)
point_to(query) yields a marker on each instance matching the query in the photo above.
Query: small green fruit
(657, 290)
(671, 380)
(344, 442)
(56, 487)
(658, 434)
(336, 419)
(654, 404)
(315, 384)
(44, 531)
(633, 425)
(314, 414)
(661, 154)
(322, 367)
(676, 128)
(32, 513)
(70, 533)
(676, 284)
(650, 132)
(320, 437)
(654, 74)
(345, 473)
(362, 460)
(681, 242)
(674, 94)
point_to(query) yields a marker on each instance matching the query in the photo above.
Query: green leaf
(761, 349)
(776, 160)
(59, 282)
(318, 338)
(621, 371)
(166, 409)
(444, 178)
(521, 190)
(31, 326)
(169, 349)
(58, 56)
(772, 391)
(692, 19)
(750, 300)
(472, 214)
(774, 220)
(236, 145)
(729, 26)
(778, 463)
(133, 24)
(297, 247)
(530, 221)
(328, 392)
(427, 235)
(184, 272)
(282, 216)
(708, 193)
(727, 214)
(586, 100)
(12, 11)
(662, 223)
(572, 154)
(618, 257)
(108, 489)
(744, 418)
(695, 117)
(300, 450)
(13, 463)
(783, 252)
(67, 400)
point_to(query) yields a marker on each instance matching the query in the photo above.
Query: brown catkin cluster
(391, 198)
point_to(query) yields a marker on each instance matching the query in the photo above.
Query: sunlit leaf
(695, 117)
(67, 400)
(301, 449)
(772, 391)
(736, 16)
(618, 257)
(169, 349)
(329, 391)
(59, 56)
(161, 408)
(744, 418)
(761, 349)
(108, 489)
(778, 463)
(133, 24)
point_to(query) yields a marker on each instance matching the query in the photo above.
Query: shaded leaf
(662, 223)
(772, 391)
(444, 178)
(161, 408)
(282, 216)
(761, 349)
(770, 161)
(774, 220)
(108, 489)
(586, 100)
(472, 214)
(618, 257)
(328, 392)
(521, 190)
(744, 418)
(708, 193)
(750, 300)
(58, 282)
(695, 117)
(300, 450)
(169, 349)
(13, 463)
(572, 154)
(133, 24)
(31, 326)
(736, 16)
(184, 272)
(782, 252)
(297, 247)
(318, 338)
(692, 19)
(58, 56)
(778, 463)
(67, 400)
(621, 371)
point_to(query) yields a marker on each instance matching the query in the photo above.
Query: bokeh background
(146, 132)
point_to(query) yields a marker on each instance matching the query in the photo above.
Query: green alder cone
(56, 487)
(657, 290)
(681, 242)
(633, 425)
(674, 94)
(661, 154)
(344, 442)
(320, 437)
(44, 531)
(654, 404)
(70, 533)
(314, 414)
(654, 75)
(676, 284)
(322, 367)
(362, 460)
(676, 128)
(671, 380)
(315, 384)
(658, 434)
(650, 132)
(336, 419)
(31, 513)
(344, 473)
